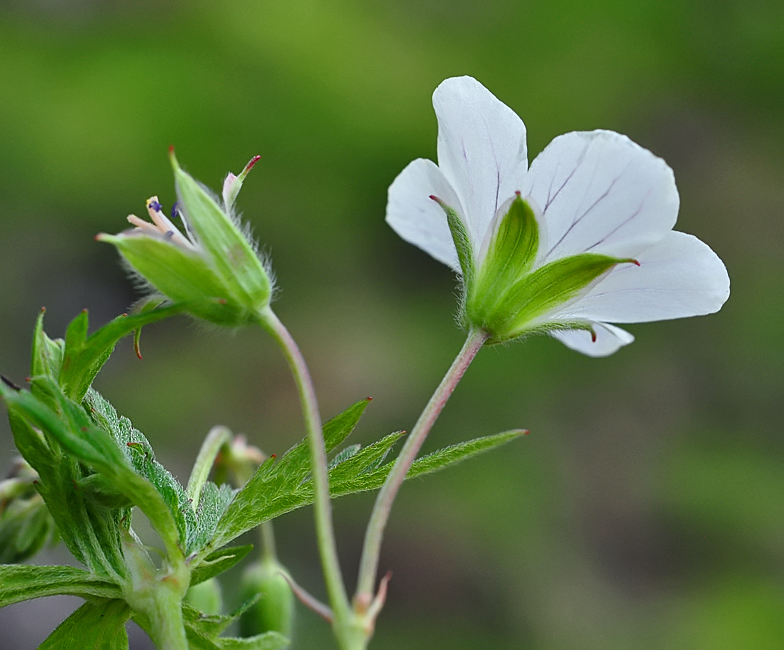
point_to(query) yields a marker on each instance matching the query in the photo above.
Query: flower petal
(481, 149)
(678, 277)
(416, 217)
(609, 339)
(601, 193)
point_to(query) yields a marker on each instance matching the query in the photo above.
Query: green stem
(268, 551)
(167, 628)
(318, 460)
(375, 531)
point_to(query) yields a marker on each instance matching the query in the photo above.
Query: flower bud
(25, 523)
(206, 596)
(274, 610)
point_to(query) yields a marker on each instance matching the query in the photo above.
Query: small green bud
(213, 267)
(25, 523)
(206, 596)
(274, 610)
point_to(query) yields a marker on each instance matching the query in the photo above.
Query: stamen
(141, 223)
(174, 210)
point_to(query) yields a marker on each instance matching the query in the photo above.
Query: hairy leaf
(218, 562)
(20, 582)
(94, 626)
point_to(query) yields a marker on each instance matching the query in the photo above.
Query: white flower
(580, 240)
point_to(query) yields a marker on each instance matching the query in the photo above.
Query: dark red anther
(525, 432)
(519, 196)
(593, 336)
(171, 149)
(635, 262)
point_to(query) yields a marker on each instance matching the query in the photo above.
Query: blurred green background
(646, 508)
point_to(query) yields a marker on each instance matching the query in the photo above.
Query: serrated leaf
(295, 463)
(434, 462)
(278, 487)
(344, 455)
(363, 460)
(203, 631)
(20, 582)
(94, 626)
(219, 561)
(47, 354)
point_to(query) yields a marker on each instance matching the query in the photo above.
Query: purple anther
(156, 206)
(174, 209)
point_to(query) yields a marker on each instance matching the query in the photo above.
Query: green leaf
(84, 356)
(203, 631)
(78, 435)
(278, 487)
(94, 626)
(20, 582)
(364, 460)
(218, 562)
(295, 464)
(436, 461)
(47, 354)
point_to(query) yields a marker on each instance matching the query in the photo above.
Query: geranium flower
(214, 267)
(580, 240)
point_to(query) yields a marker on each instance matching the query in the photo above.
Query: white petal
(679, 276)
(481, 149)
(601, 193)
(419, 219)
(609, 339)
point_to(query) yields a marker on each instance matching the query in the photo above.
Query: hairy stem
(375, 531)
(318, 460)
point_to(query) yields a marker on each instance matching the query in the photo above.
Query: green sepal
(98, 625)
(465, 253)
(509, 257)
(541, 291)
(20, 582)
(182, 275)
(229, 250)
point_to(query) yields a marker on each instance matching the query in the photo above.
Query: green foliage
(272, 492)
(219, 561)
(203, 632)
(20, 582)
(96, 625)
